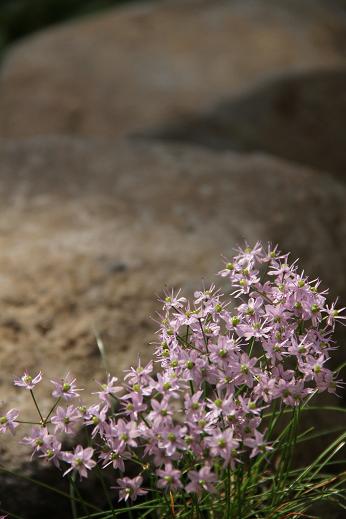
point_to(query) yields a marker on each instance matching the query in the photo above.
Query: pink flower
(204, 479)
(257, 444)
(36, 439)
(223, 444)
(65, 419)
(169, 477)
(130, 488)
(134, 406)
(96, 416)
(27, 381)
(126, 432)
(172, 439)
(139, 375)
(173, 301)
(115, 455)
(65, 388)
(161, 412)
(51, 450)
(333, 314)
(108, 390)
(80, 460)
(8, 421)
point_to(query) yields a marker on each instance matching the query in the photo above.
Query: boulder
(300, 117)
(147, 63)
(91, 232)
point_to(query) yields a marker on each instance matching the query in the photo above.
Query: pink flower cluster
(221, 363)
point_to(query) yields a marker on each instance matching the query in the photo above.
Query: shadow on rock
(298, 117)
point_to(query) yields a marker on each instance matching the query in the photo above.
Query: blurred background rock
(140, 141)
(18, 18)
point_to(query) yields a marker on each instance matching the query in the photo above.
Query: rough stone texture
(90, 233)
(140, 65)
(300, 117)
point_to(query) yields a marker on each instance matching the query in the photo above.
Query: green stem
(105, 490)
(72, 500)
(228, 493)
(129, 511)
(36, 405)
(252, 342)
(168, 505)
(51, 411)
(239, 489)
(30, 423)
(198, 512)
(191, 387)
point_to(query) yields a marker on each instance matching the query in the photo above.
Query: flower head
(8, 421)
(130, 488)
(169, 477)
(80, 460)
(200, 480)
(65, 419)
(65, 388)
(27, 381)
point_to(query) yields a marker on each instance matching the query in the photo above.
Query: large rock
(300, 117)
(91, 232)
(138, 66)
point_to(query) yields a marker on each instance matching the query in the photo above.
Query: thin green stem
(36, 405)
(30, 423)
(104, 488)
(191, 387)
(168, 505)
(51, 411)
(129, 511)
(72, 500)
(252, 342)
(228, 493)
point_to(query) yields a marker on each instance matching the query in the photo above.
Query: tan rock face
(141, 65)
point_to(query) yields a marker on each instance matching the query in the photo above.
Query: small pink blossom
(37, 439)
(65, 388)
(66, 419)
(169, 478)
(130, 488)
(203, 479)
(257, 444)
(80, 460)
(27, 381)
(108, 390)
(8, 421)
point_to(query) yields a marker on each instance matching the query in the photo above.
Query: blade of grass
(334, 445)
(102, 350)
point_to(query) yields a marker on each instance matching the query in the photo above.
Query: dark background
(19, 18)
